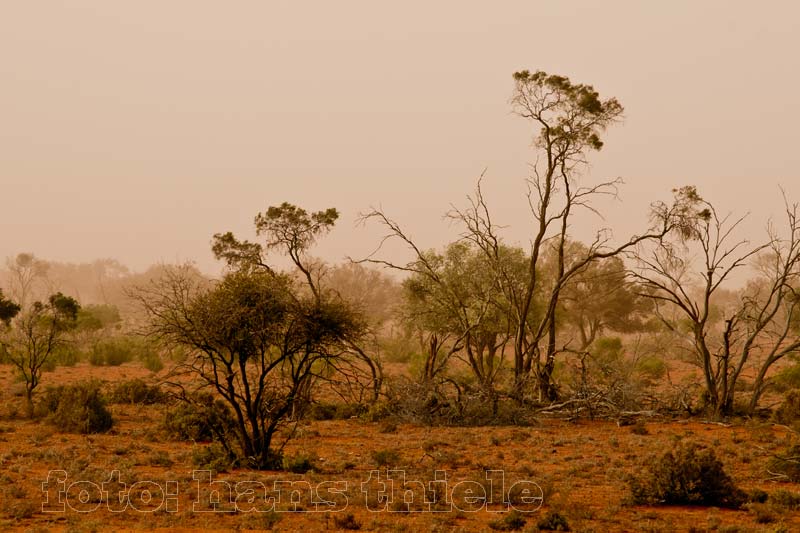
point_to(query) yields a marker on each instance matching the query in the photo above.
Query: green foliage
(213, 457)
(258, 326)
(513, 521)
(386, 457)
(785, 499)
(112, 352)
(553, 521)
(346, 521)
(789, 410)
(96, 317)
(117, 350)
(574, 112)
(787, 464)
(334, 411)
(8, 309)
(651, 367)
(198, 418)
(685, 476)
(76, 408)
(299, 464)
(63, 355)
(136, 391)
(788, 377)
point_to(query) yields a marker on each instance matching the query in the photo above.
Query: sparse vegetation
(686, 476)
(77, 408)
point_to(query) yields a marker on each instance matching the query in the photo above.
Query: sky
(137, 130)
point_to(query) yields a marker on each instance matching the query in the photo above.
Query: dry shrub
(687, 476)
(76, 408)
(136, 391)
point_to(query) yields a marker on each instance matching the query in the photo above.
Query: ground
(579, 469)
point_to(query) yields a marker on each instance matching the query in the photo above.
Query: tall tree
(568, 120)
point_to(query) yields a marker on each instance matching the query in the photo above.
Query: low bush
(789, 410)
(213, 457)
(687, 476)
(299, 464)
(553, 521)
(334, 411)
(76, 408)
(386, 457)
(346, 521)
(513, 521)
(785, 499)
(136, 391)
(197, 418)
(787, 464)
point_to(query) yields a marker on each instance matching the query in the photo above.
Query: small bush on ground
(789, 410)
(513, 521)
(136, 391)
(213, 457)
(347, 521)
(787, 465)
(687, 476)
(553, 521)
(198, 418)
(299, 464)
(76, 408)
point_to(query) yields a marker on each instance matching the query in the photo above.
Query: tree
(292, 230)
(256, 341)
(25, 270)
(757, 328)
(8, 309)
(601, 298)
(568, 119)
(35, 335)
(453, 302)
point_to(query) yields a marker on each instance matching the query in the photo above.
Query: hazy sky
(137, 129)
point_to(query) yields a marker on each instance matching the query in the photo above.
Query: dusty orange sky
(136, 130)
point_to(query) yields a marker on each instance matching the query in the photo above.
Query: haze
(136, 130)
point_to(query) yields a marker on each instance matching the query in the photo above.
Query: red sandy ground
(582, 468)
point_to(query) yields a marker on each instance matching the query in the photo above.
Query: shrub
(334, 411)
(513, 521)
(686, 477)
(213, 457)
(136, 391)
(198, 418)
(299, 464)
(785, 499)
(115, 351)
(651, 367)
(62, 356)
(789, 410)
(151, 361)
(788, 377)
(763, 513)
(553, 521)
(346, 521)
(386, 457)
(112, 352)
(787, 464)
(77, 408)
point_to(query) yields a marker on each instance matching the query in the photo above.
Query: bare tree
(757, 328)
(25, 271)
